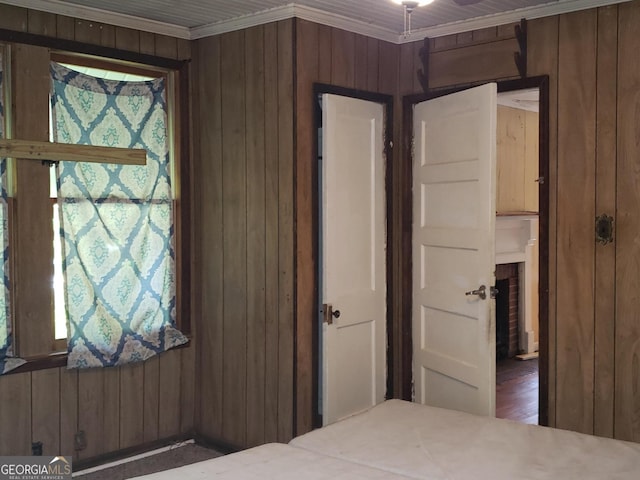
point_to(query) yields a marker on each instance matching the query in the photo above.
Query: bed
(399, 439)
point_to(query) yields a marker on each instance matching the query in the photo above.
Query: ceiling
(381, 19)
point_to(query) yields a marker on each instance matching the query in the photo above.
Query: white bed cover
(431, 443)
(274, 461)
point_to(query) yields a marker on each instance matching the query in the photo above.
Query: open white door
(454, 249)
(353, 256)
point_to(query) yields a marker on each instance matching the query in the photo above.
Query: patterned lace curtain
(7, 360)
(116, 221)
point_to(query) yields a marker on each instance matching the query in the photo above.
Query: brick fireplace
(507, 332)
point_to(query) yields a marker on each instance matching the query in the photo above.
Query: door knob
(336, 313)
(481, 292)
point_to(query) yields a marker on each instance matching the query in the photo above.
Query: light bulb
(412, 4)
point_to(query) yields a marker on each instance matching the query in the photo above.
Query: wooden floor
(517, 390)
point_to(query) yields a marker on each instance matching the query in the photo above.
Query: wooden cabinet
(517, 160)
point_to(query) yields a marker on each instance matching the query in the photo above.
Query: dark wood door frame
(387, 102)
(542, 83)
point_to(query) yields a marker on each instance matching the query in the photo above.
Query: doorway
(540, 84)
(517, 271)
(352, 251)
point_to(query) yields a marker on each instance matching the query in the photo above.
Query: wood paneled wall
(245, 219)
(253, 173)
(517, 160)
(116, 408)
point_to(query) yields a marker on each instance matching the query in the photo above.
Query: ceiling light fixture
(409, 6)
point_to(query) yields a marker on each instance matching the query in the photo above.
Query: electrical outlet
(80, 440)
(36, 449)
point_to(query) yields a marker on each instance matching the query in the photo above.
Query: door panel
(454, 250)
(353, 239)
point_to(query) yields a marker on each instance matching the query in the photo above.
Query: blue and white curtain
(116, 221)
(7, 360)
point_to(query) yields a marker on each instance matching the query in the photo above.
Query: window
(109, 239)
(60, 316)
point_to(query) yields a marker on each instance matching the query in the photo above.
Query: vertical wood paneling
(605, 266)
(360, 62)
(307, 71)
(343, 46)
(286, 229)
(543, 60)
(184, 49)
(256, 234)
(247, 353)
(147, 43)
(87, 32)
(188, 389)
(234, 237)
(45, 405)
(111, 393)
(131, 405)
(68, 409)
(272, 242)
(166, 46)
(407, 69)
(627, 321)
(373, 58)
(417, 46)
(65, 27)
(169, 394)
(325, 39)
(151, 399)
(510, 160)
(14, 18)
(576, 211)
(210, 250)
(91, 411)
(127, 39)
(15, 390)
(41, 23)
(108, 36)
(531, 161)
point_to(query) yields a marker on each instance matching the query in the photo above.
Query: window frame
(177, 73)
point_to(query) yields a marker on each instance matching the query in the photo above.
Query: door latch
(329, 313)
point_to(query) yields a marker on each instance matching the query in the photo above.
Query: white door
(353, 256)
(454, 250)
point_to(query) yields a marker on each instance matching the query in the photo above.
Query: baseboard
(125, 453)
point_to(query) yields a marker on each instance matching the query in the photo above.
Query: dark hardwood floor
(517, 390)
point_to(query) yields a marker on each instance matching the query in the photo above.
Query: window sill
(59, 359)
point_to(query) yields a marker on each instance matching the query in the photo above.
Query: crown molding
(244, 21)
(306, 13)
(299, 11)
(102, 16)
